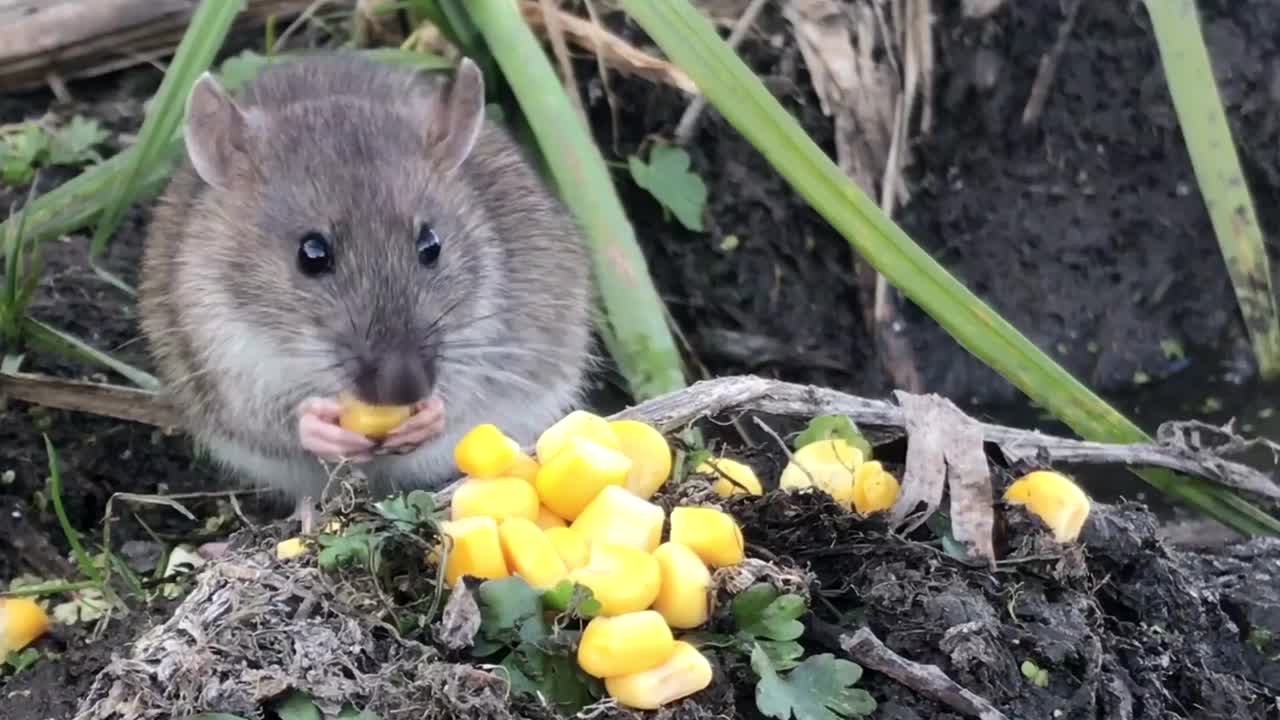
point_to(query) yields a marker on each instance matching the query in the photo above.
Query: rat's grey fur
(340, 144)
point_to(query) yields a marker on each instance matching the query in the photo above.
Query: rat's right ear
(215, 132)
(458, 115)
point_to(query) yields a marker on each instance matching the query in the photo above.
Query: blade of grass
(637, 332)
(200, 43)
(729, 85)
(51, 339)
(73, 537)
(1217, 166)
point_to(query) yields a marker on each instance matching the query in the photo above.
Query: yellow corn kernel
(617, 517)
(835, 450)
(547, 519)
(569, 545)
(485, 452)
(576, 475)
(713, 534)
(1055, 499)
(22, 620)
(744, 478)
(291, 548)
(577, 424)
(686, 672)
(476, 551)
(498, 498)
(524, 467)
(626, 644)
(529, 554)
(874, 488)
(685, 583)
(621, 577)
(650, 456)
(833, 479)
(373, 421)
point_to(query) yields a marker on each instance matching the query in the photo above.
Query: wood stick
(74, 39)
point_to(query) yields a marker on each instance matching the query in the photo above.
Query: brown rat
(350, 226)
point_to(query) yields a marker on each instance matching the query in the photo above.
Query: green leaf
(826, 427)
(820, 688)
(761, 613)
(20, 152)
(510, 611)
(297, 706)
(349, 712)
(75, 143)
(408, 511)
(350, 548)
(553, 676)
(570, 597)
(668, 179)
(22, 659)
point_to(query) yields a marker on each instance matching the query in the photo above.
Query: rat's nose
(394, 378)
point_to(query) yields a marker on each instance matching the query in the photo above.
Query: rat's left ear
(457, 116)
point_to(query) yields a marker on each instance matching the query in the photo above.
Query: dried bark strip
(70, 39)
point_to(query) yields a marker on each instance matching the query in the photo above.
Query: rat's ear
(457, 116)
(215, 132)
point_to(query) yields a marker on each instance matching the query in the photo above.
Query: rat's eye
(314, 254)
(427, 245)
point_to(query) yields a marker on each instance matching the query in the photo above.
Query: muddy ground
(1086, 232)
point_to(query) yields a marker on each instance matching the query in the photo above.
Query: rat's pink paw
(426, 422)
(320, 434)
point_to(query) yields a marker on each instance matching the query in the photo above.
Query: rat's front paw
(322, 436)
(426, 422)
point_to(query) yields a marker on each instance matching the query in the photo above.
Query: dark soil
(1087, 233)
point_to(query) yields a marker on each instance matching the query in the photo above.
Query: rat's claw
(426, 422)
(321, 435)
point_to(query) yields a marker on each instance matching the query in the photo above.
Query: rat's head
(337, 232)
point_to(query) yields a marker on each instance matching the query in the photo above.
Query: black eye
(427, 246)
(314, 254)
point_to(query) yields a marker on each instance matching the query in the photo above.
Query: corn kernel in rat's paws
(373, 421)
(1055, 499)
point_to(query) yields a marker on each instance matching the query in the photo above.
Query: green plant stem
(729, 85)
(637, 332)
(1213, 154)
(200, 44)
(73, 537)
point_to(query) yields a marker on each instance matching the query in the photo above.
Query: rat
(343, 225)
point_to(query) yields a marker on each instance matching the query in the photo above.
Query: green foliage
(827, 427)
(668, 179)
(820, 688)
(572, 599)
(29, 146)
(1036, 674)
(297, 705)
(352, 547)
(540, 658)
(22, 659)
(770, 621)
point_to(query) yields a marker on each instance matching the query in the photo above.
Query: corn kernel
(547, 519)
(291, 548)
(485, 452)
(837, 451)
(834, 479)
(1055, 499)
(577, 424)
(686, 672)
(622, 578)
(713, 534)
(569, 545)
(744, 478)
(618, 517)
(626, 644)
(498, 498)
(525, 467)
(650, 456)
(529, 554)
(22, 620)
(476, 551)
(685, 583)
(874, 488)
(576, 475)
(373, 421)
